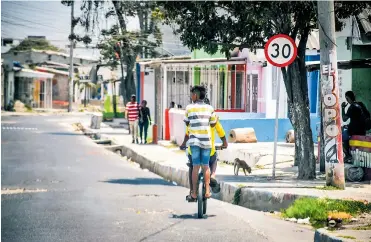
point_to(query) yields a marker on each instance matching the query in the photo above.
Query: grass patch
(237, 196)
(319, 209)
(365, 227)
(346, 237)
(327, 188)
(259, 167)
(28, 108)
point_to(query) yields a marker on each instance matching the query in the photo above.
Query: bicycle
(201, 191)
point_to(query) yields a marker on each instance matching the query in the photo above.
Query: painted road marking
(17, 128)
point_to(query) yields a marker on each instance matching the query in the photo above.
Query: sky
(20, 19)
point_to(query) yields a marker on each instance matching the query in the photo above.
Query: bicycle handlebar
(217, 147)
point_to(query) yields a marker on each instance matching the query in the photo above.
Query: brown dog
(241, 164)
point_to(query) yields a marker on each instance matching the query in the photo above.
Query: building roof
(33, 74)
(60, 64)
(342, 64)
(197, 62)
(50, 52)
(179, 57)
(51, 70)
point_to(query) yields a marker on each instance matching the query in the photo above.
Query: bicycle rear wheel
(200, 200)
(204, 199)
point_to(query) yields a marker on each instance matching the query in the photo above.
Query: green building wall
(361, 78)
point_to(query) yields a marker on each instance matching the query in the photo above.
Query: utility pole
(70, 84)
(331, 112)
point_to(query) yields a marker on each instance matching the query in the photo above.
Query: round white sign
(280, 50)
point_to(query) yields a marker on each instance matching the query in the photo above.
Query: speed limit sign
(280, 50)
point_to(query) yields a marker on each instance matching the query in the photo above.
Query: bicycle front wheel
(200, 200)
(204, 199)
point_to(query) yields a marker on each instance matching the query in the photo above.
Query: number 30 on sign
(280, 50)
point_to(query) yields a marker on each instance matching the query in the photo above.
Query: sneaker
(133, 142)
(216, 188)
(213, 182)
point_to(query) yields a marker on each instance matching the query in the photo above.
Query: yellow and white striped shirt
(200, 116)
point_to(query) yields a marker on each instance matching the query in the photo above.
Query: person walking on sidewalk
(199, 116)
(144, 121)
(132, 115)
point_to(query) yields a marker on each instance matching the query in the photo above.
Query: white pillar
(51, 92)
(176, 100)
(164, 101)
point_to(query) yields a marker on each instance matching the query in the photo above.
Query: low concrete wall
(177, 126)
(322, 235)
(264, 128)
(233, 115)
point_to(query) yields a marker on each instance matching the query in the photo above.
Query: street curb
(252, 198)
(321, 235)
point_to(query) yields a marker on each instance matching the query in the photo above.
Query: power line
(23, 13)
(95, 43)
(27, 8)
(24, 20)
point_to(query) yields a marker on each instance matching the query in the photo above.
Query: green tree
(36, 44)
(132, 43)
(211, 25)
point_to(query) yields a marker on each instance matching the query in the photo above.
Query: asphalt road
(89, 194)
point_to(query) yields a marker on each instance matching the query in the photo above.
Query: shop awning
(342, 65)
(33, 74)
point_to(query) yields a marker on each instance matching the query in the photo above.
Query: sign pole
(331, 112)
(276, 124)
(280, 51)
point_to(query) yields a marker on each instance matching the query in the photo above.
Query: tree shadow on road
(140, 181)
(190, 216)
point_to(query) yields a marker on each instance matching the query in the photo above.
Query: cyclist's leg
(190, 172)
(213, 165)
(196, 163)
(205, 158)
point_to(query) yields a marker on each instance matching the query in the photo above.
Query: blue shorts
(211, 161)
(200, 156)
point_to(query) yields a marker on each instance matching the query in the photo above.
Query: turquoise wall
(264, 128)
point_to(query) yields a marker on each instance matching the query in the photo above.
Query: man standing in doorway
(358, 115)
(132, 115)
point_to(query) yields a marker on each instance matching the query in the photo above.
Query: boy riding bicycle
(199, 116)
(218, 128)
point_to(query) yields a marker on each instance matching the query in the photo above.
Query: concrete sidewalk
(256, 191)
